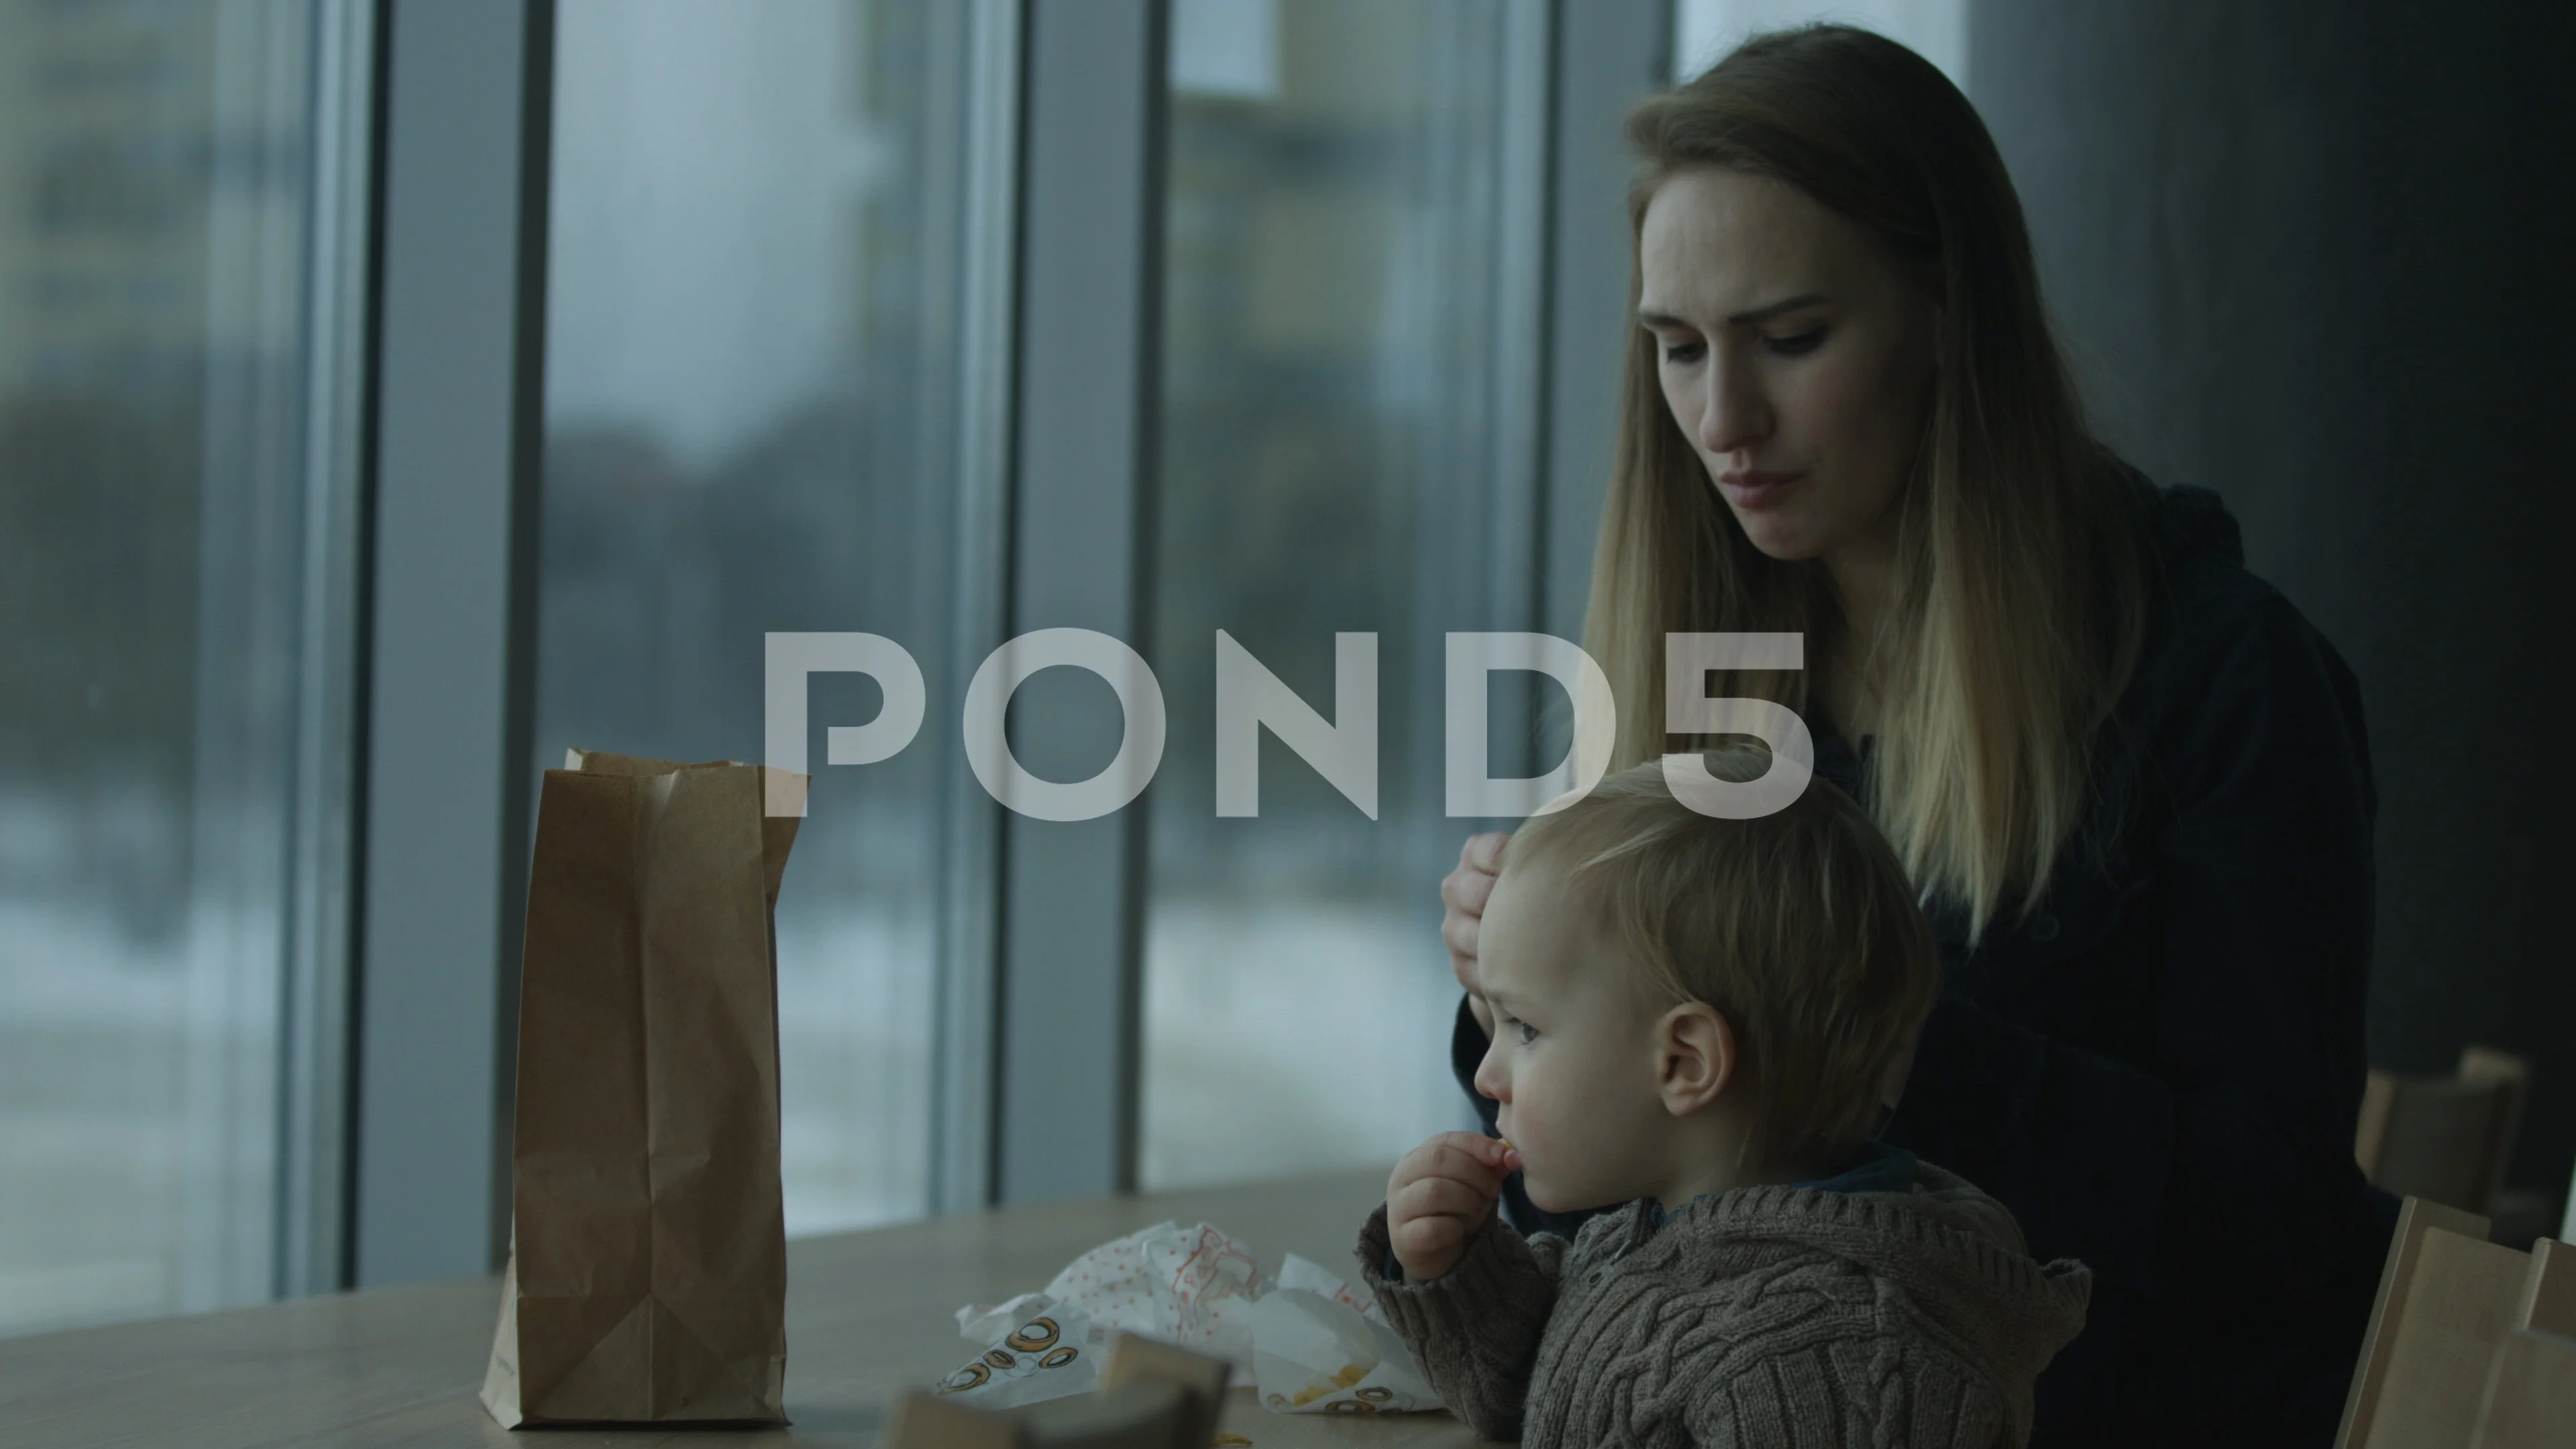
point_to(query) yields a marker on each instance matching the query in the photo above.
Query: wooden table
(868, 1314)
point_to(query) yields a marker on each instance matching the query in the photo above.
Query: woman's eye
(1797, 343)
(1681, 352)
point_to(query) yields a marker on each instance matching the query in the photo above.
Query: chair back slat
(924, 1420)
(2460, 1309)
(2378, 1104)
(2440, 1142)
(2531, 1396)
(2399, 1279)
(1145, 1414)
(2446, 1139)
(1138, 1360)
(2548, 1301)
(2510, 1075)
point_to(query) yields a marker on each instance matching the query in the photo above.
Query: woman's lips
(1757, 490)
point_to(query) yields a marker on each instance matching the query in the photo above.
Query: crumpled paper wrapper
(1053, 1352)
(1321, 1348)
(1311, 1344)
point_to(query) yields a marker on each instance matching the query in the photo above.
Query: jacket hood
(2183, 520)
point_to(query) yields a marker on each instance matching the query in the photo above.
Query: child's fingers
(1421, 1235)
(1474, 1148)
(1463, 1155)
(1438, 1197)
(1424, 1241)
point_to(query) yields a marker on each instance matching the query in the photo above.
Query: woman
(2128, 779)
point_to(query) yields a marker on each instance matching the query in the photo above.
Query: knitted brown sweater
(1762, 1316)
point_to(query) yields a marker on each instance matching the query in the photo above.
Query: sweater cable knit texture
(1761, 1316)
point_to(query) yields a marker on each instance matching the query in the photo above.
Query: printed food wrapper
(1313, 1344)
(1190, 1286)
(985, 1324)
(1052, 1352)
(1317, 1354)
(1296, 1272)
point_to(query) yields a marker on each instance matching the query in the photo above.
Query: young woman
(2128, 779)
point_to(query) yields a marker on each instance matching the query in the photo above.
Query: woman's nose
(1734, 415)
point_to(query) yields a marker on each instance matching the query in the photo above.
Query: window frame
(1063, 132)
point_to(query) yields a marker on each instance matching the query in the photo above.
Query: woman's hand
(1440, 1194)
(1462, 898)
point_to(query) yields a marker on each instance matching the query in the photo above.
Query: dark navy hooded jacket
(2160, 1067)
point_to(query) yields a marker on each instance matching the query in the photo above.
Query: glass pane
(1327, 463)
(163, 505)
(748, 308)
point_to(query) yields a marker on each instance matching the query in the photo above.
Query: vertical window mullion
(967, 1088)
(447, 710)
(314, 1164)
(1081, 524)
(1610, 54)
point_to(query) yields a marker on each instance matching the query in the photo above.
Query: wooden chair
(1152, 1396)
(1144, 1415)
(924, 1420)
(2530, 1399)
(2448, 1302)
(2444, 1139)
(2567, 1222)
(1133, 1360)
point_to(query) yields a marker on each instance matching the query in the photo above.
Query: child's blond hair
(1800, 927)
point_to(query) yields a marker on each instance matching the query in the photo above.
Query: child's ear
(1695, 1045)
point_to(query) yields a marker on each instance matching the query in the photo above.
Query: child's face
(1573, 1058)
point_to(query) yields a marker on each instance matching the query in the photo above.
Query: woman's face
(1795, 356)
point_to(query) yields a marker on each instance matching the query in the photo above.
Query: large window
(784, 245)
(753, 314)
(176, 535)
(1337, 405)
(1705, 30)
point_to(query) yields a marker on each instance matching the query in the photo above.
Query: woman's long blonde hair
(2016, 611)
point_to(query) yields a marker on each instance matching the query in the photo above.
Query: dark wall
(2320, 255)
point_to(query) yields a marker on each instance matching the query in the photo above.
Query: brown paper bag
(648, 1260)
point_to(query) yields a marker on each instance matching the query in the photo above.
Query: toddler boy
(1695, 1017)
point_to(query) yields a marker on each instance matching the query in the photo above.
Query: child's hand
(1441, 1193)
